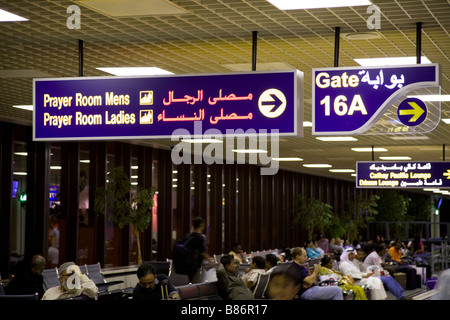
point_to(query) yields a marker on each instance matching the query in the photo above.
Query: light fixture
(396, 158)
(432, 97)
(24, 154)
(317, 165)
(430, 189)
(342, 170)
(6, 16)
(249, 151)
(307, 123)
(55, 167)
(85, 161)
(135, 71)
(447, 121)
(288, 159)
(410, 138)
(18, 173)
(24, 107)
(336, 139)
(391, 61)
(201, 141)
(369, 149)
(316, 4)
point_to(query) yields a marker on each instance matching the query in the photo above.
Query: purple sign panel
(100, 108)
(350, 100)
(387, 174)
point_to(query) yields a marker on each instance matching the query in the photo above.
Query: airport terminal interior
(270, 185)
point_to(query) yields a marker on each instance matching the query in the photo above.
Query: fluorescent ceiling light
(308, 4)
(288, 159)
(317, 165)
(6, 16)
(395, 158)
(391, 61)
(336, 139)
(24, 107)
(55, 167)
(20, 173)
(446, 120)
(201, 141)
(432, 97)
(249, 151)
(430, 189)
(341, 170)
(410, 138)
(135, 71)
(369, 149)
(21, 154)
(307, 123)
(85, 161)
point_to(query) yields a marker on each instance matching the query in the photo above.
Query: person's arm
(310, 280)
(88, 287)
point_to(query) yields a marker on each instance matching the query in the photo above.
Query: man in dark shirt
(28, 278)
(152, 286)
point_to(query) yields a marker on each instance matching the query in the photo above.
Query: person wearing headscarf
(73, 284)
(345, 282)
(349, 268)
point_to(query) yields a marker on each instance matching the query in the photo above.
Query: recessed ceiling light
(288, 159)
(369, 149)
(18, 173)
(410, 138)
(24, 154)
(135, 71)
(201, 141)
(249, 151)
(306, 4)
(446, 120)
(361, 35)
(341, 170)
(396, 158)
(432, 97)
(391, 61)
(336, 139)
(24, 107)
(307, 123)
(317, 165)
(6, 16)
(55, 167)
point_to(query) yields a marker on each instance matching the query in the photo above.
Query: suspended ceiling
(215, 36)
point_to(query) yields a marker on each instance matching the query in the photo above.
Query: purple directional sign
(348, 101)
(389, 174)
(100, 108)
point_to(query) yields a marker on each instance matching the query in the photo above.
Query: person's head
(271, 260)
(309, 243)
(258, 262)
(236, 247)
(38, 264)
(284, 284)
(299, 255)
(379, 248)
(230, 264)
(67, 276)
(360, 254)
(198, 223)
(146, 274)
(327, 262)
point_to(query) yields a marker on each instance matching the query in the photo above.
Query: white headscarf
(344, 258)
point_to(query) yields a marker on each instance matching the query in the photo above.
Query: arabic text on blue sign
(350, 100)
(100, 108)
(386, 174)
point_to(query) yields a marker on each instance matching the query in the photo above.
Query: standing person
(323, 243)
(73, 284)
(308, 289)
(198, 250)
(152, 286)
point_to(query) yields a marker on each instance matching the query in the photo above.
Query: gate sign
(348, 101)
(101, 108)
(388, 174)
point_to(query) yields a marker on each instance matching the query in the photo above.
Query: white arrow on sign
(272, 103)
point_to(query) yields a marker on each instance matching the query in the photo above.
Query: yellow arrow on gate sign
(447, 174)
(416, 111)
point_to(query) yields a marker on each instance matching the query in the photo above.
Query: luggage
(411, 277)
(400, 277)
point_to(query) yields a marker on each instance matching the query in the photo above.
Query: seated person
(349, 265)
(73, 284)
(308, 288)
(312, 252)
(230, 286)
(284, 284)
(345, 282)
(152, 286)
(28, 278)
(257, 267)
(374, 262)
(271, 262)
(396, 253)
(238, 253)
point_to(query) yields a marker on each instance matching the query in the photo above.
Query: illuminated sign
(374, 100)
(100, 108)
(387, 174)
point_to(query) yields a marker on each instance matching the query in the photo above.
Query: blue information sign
(387, 174)
(349, 101)
(100, 108)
